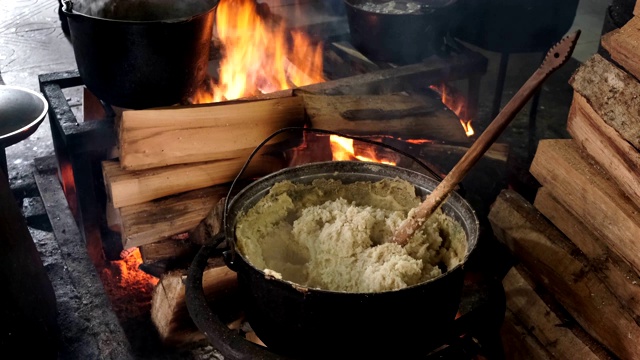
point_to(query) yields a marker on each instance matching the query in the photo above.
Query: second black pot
(139, 63)
(401, 38)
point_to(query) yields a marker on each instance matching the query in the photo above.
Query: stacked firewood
(579, 242)
(166, 188)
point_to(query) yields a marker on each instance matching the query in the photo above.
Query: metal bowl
(21, 113)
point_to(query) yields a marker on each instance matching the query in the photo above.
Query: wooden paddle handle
(555, 58)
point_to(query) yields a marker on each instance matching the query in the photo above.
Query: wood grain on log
(559, 266)
(169, 308)
(619, 277)
(189, 134)
(555, 335)
(623, 45)
(613, 94)
(605, 145)
(126, 188)
(158, 219)
(396, 115)
(590, 195)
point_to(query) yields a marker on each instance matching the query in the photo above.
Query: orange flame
(343, 150)
(259, 57)
(456, 103)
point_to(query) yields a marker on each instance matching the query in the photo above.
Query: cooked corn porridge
(336, 236)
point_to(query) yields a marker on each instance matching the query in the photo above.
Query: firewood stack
(579, 242)
(167, 186)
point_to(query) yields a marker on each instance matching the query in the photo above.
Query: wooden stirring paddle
(555, 58)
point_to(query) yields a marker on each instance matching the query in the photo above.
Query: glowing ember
(343, 150)
(128, 286)
(456, 103)
(259, 56)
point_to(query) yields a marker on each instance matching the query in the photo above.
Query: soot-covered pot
(302, 322)
(138, 54)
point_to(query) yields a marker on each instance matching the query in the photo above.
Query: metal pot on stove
(297, 321)
(400, 31)
(142, 53)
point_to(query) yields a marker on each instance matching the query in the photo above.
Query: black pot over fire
(143, 53)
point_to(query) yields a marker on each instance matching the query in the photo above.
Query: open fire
(259, 54)
(453, 100)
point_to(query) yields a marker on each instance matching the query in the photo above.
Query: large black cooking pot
(513, 26)
(300, 322)
(143, 53)
(400, 38)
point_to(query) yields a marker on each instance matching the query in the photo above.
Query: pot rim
(70, 13)
(5, 139)
(229, 230)
(353, 4)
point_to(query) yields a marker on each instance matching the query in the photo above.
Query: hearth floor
(32, 43)
(94, 323)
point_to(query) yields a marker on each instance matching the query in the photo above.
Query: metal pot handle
(67, 6)
(229, 342)
(318, 131)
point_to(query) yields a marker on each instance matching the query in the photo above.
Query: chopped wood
(613, 94)
(190, 134)
(563, 340)
(114, 222)
(403, 78)
(623, 45)
(210, 226)
(417, 117)
(498, 151)
(169, 308)
(617, 275)
(605, 145)
(156, 220)
(126, 188)
(170, 249)
(559, 266)
(518, 342)
(590, 195)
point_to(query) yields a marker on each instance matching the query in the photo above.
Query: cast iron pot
(401, 38)
(142, 54)
(515, 26)
(301, 322)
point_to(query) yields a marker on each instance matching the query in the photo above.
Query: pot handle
(67, 6)
(229, 342)
(231, 253)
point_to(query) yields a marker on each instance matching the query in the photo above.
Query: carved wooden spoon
(557, 56)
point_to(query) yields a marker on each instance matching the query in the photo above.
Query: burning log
(547, 324)
(156, 220)
(169, 309)
(394, 115)
(622, 44)
(126, 188)
(619, 277)
(402, 78)
(607, 211)
(190, 134)
(558, 265)
(606, 146)
(612, 93)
